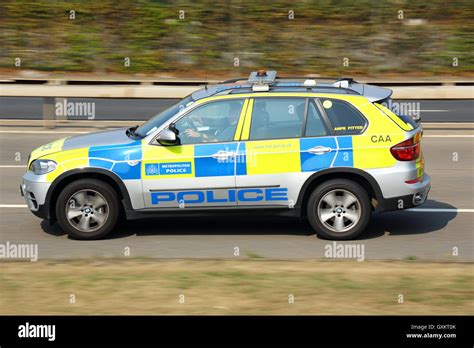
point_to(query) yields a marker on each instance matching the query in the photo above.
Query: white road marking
(12, 166)
(448, 136)
(40, 118)
(434, 110)
(440, 210)
(448, 123)
(13, 206)
(42, 132)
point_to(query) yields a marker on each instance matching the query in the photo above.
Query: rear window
(345, 118)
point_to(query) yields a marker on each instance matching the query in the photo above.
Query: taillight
(407, 150)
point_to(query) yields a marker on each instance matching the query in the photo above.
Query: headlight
(40, 167)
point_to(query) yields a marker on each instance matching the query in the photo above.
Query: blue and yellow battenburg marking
(129, 161)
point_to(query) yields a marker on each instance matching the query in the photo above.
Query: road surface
(430, 234)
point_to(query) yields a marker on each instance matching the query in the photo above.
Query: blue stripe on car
(206, 165)
(126, 159)
(311, 162)
(344, 156)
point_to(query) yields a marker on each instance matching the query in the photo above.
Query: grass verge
(145, 286)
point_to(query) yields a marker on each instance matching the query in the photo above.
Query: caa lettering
(380, 139)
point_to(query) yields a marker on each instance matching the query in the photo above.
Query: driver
(223, 134)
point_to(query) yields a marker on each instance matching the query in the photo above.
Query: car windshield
(156, 121)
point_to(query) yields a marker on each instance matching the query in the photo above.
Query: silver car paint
(109, 137)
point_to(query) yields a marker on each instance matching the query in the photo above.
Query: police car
(326, 151)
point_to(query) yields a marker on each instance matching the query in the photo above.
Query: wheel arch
(359, 176)
(85, 173)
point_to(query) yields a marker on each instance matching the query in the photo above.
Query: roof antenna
(205, 86)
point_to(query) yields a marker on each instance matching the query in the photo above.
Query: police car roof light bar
(262, 77)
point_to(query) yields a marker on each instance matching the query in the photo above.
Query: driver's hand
(191, 133)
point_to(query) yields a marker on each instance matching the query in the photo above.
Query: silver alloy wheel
(87, 210)
(339, 210)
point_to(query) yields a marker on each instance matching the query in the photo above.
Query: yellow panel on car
(403, 125)
(273, 156)
(164, 162)
(373, 150)
(420, 166)
(67, 160)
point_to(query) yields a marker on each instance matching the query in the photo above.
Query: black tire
(95, 187)
(338, 188)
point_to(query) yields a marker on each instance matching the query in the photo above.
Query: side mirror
(172, 127)
(167, 138)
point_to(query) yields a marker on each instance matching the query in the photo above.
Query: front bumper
(34, 190)
(417, 197)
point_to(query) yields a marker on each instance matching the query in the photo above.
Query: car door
(270, 143)
(200, 172)
(285, 140)
(318, 148)
(347, 123)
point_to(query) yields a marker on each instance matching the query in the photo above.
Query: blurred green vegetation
(260, 34)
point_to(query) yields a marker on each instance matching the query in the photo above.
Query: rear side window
(345, 118)
(314, 123)
(277, 118)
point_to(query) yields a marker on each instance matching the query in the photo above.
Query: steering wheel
(187, 124)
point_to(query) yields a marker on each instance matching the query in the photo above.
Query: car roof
(344, 86)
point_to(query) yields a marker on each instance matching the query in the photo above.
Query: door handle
(222, 155)
(319, 150)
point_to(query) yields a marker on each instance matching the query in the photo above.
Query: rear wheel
(339, 209)
(87, 209)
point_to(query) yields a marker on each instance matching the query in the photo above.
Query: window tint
(212, 122)
(277, 118)
(314, 124)
(344, 117)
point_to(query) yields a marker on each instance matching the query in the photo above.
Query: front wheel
(87, 209)
(339, 209)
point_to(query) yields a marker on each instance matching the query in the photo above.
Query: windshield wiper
(132, 132)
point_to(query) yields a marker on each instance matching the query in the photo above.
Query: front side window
(345, 119)
(277, 118)
(212, 122)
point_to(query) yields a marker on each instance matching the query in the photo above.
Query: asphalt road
(143, 109)
(427, 235)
